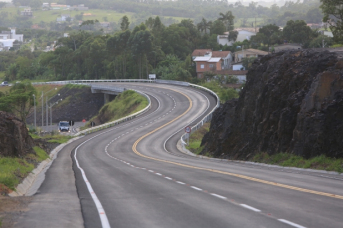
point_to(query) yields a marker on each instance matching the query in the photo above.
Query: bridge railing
(204, 120)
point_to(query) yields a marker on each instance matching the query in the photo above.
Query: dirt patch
(11, 208)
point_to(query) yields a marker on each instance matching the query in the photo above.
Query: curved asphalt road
(142, 180)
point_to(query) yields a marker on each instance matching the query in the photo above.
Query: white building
(243, 34)
(7, 38)
(63, 18)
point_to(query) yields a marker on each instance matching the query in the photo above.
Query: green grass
(59, 139)
(91, 14)
(286, 159)
(124, 104)
(2, 75)
(12, 170)
(196, 137)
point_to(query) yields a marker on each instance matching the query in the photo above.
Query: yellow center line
(134, 148)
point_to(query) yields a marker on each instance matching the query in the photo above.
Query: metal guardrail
(171, 82)
(112, 89)
(206, 119)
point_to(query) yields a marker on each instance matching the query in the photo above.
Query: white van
(63, 126)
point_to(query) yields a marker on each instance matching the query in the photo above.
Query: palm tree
(204, 25)
(228, 20)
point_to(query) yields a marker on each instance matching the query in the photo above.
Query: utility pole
(42, 108)
(34, 105)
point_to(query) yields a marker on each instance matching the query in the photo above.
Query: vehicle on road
(63, 126)
(4, 83)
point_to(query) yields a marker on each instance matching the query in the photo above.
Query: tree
(217, 27)
(233, 35)
(321, 41)
(268, 31)
(228, 20)
(298, 32)
(333, 14)
(204, 25)
(247, 62)
(124, 24)
(19, 101)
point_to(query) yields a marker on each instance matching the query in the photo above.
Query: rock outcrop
(15, 140)
(292, 102)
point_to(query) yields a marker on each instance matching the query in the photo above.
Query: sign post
(152, 76)
(188, 130)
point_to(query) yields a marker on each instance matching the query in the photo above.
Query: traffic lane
(302, 208)
(92, 148)
(135, 197)
(56, 203)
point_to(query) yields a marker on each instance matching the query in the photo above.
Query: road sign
(71, 122)
(152, 76)
(83, 121)
(188, 129)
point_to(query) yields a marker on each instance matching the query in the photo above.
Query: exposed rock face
(78, 104)
(15, 140)
(292, 102)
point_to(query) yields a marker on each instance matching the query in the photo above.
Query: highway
(133, 175)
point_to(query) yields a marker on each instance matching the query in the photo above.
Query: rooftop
(200, 52)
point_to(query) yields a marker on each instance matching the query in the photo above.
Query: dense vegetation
(124, 104)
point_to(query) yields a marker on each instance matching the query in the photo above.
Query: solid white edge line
(218, 196)
(101, 211)
(250, 208)
(102, 214)
(291, 223)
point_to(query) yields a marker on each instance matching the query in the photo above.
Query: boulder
(292, 102)
(15, 140)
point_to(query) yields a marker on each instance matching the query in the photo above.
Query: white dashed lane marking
(250, 208)
(291, 223)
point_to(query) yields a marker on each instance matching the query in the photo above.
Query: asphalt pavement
(132, 175)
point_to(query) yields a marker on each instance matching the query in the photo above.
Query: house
(26, 13)
(248, 53)
(285, 47)
(237, 66)
(243, 34)
(240, 74)
(11, 35)
(80, 7)
(201, 53)
(105, 24)
(208, 60)
(6, 44)
(64, 17)
(224, 40)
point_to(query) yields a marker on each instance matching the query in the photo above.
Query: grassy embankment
(195, 139)
(124, 104)
(14, 169)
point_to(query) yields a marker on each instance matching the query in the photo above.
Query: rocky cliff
(292, 102)
(15, 140)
